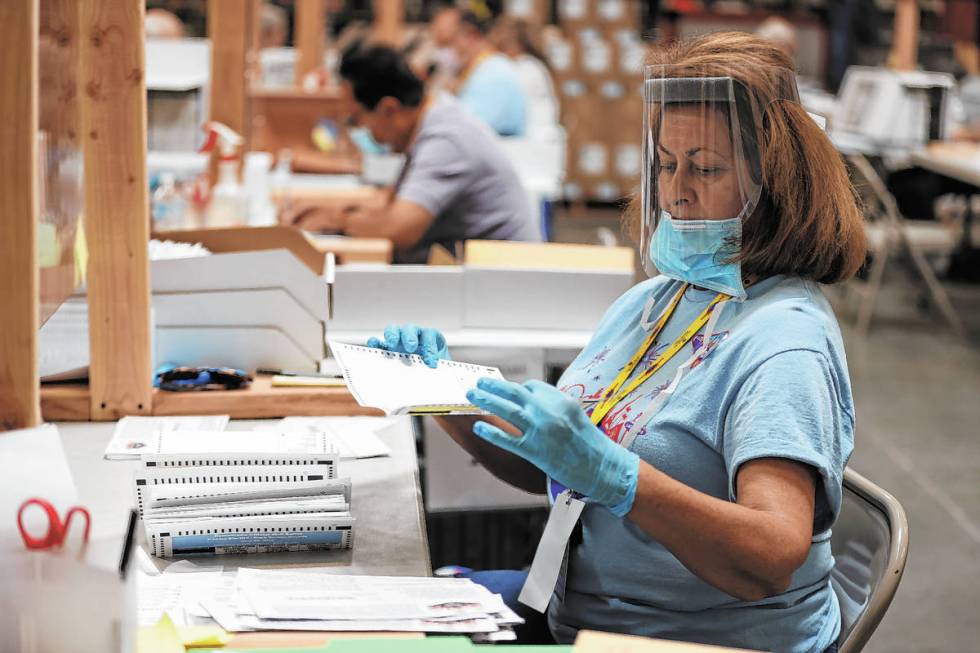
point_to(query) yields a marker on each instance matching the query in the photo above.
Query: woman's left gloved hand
(559, 439)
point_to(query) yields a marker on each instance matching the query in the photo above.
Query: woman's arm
(506, 466)
(748, 549)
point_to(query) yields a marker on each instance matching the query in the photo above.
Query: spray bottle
(229, 203)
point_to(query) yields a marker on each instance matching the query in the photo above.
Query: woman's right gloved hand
(430, 344)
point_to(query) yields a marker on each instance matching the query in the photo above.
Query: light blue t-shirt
(772, 382)
(493, 92)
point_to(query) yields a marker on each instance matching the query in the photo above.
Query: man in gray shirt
(457, 183)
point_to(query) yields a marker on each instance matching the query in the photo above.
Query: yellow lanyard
(613, 395)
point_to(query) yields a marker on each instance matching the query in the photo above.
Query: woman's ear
(388, 107)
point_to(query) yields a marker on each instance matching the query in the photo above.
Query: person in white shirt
(514, 39)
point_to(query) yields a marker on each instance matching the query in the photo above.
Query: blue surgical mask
(696, 251)
(365, 141)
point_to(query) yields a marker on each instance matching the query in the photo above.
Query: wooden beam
(19, 286)
(58, 120)
(389, 17)
(905, 36)
(70, 402)
(58, 72)
(116, 206)
(66, 402)
(261, 401)
(231, 28)
(309, 28)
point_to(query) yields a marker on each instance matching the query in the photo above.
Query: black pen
(128, 544)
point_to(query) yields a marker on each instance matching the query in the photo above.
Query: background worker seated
(487, 82)
(456, 184)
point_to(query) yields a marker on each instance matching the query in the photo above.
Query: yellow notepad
(283, 381)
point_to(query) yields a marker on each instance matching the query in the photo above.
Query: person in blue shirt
(488, 84)
(703, 432)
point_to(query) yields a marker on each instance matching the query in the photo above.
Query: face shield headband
(703, 174)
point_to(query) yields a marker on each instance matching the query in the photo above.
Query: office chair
(870, 542)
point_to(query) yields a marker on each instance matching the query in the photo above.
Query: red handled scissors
(57, 529)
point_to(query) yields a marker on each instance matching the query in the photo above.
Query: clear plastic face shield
(703, 174)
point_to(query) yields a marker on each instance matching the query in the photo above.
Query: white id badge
(541, 580)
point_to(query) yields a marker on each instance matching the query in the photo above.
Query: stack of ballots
(318, 599)
(313, 599)
(227, 492)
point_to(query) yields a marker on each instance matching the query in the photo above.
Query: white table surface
(957, 164)
(386, 502)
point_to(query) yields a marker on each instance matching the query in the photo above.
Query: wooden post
(309, 29)
(117, 217)
(905, 36)
(58, 72)
(58, 120)
(389, 15)
(231, 25)
(19, 287)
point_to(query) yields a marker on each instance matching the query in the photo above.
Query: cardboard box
(560, 53)
(560, 288)
(510, 254)
(536, 11)
(578, 106)
(607, 190)
(610, 13)
(596, 53)
(627, 161)
(588, 158)
(370, 297)
(573, 190)
(631, 52)
(574, 12)
(311, 250)
(628, 120)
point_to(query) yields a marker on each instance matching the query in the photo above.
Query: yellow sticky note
(81, 253)
(48, 245)
(159, 638)
(284, 381)
(200, 636)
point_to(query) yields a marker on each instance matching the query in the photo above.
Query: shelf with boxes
(598, 68)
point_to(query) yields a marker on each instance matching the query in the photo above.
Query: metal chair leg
(939, 296)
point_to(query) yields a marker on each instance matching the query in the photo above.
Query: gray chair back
(870, 542)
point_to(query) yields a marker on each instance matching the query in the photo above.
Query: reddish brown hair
(808, 222)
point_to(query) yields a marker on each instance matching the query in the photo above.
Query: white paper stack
(224, 503)
(312, 599)
(135, 434)
(352, 437)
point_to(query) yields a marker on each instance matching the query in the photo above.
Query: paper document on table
(402, 384)
(264, 599)
(265, 441)
(353, 437)
(464, 625)
(138, 434)
(306, 594)
(177, 594)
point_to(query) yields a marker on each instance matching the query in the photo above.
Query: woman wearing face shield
(699, 440)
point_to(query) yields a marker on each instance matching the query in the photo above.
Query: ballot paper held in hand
(402, 384)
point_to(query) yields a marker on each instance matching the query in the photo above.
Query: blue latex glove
(559, 439)
(430, 344)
